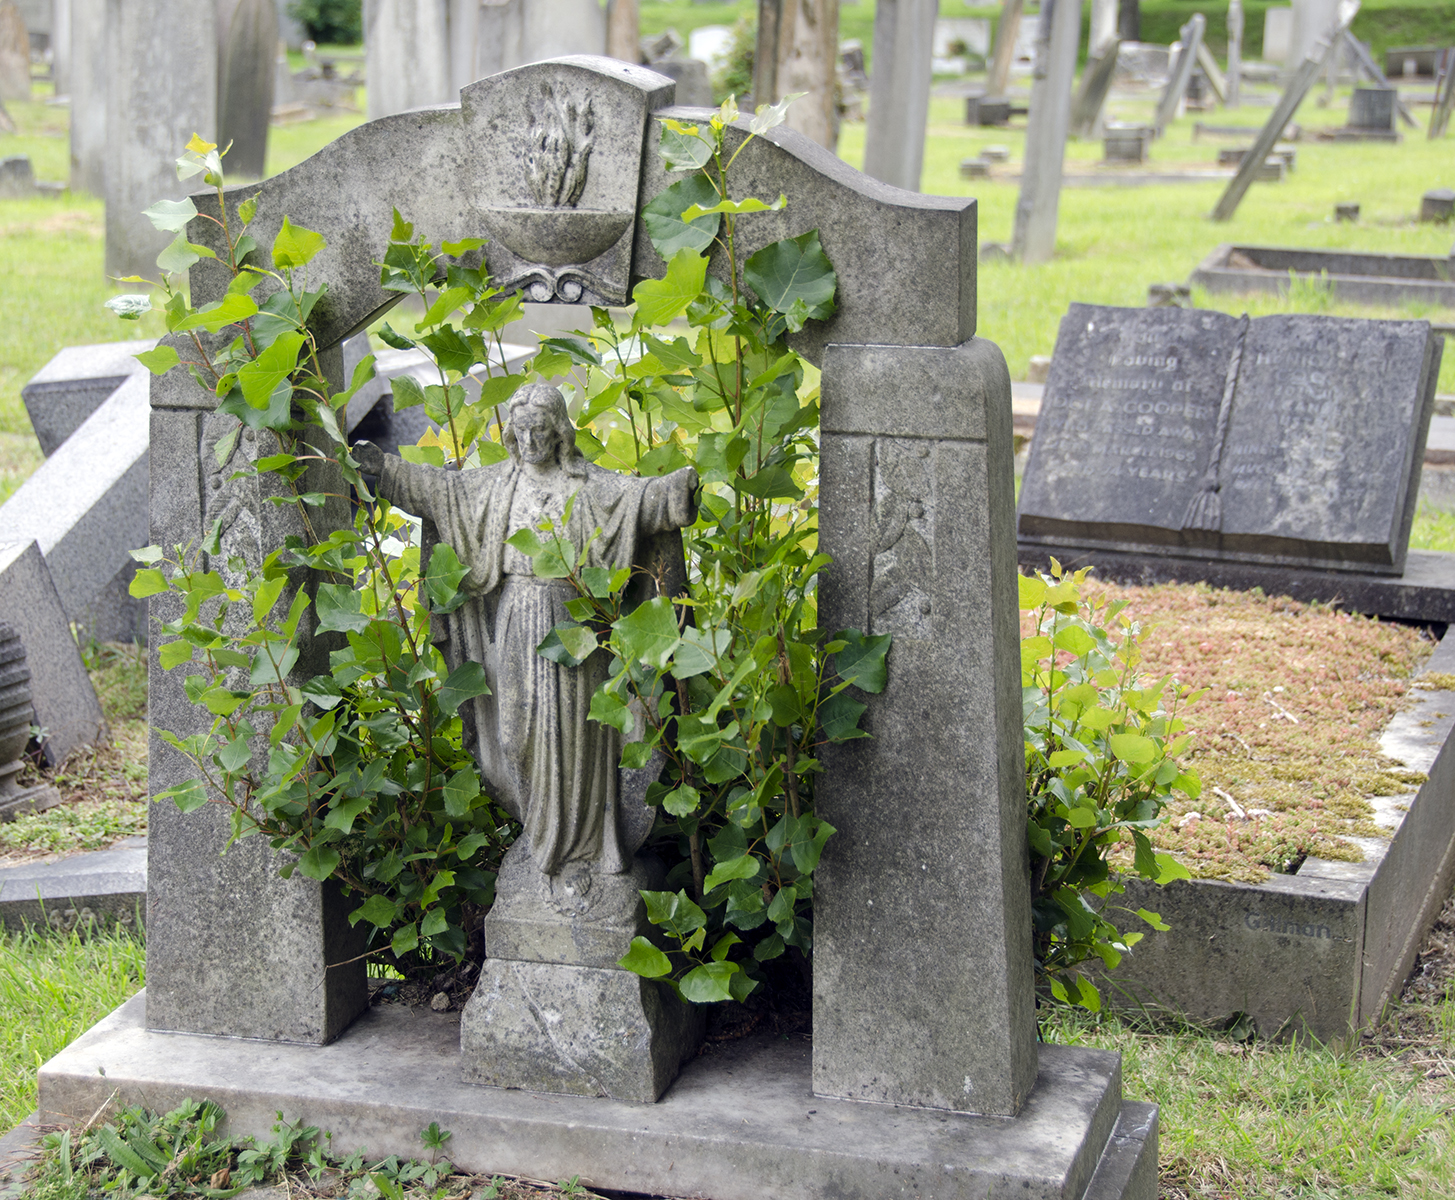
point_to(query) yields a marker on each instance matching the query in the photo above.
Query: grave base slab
(1425, 592)
(740, 1123)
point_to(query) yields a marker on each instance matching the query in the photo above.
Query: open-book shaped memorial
(924, 1074)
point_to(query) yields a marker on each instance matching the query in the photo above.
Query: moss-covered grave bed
(1286, 737)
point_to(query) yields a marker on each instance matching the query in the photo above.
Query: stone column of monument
(917, 480)
(1235, 53)
(797, 51)
(290, 28)
(14, 54)
(899, 91)
(623, 31)
(61, 46)
(1002, 55)
(90, 66)
(1034, 238)
(406, 55)
(1312, 19)
(1103, 28)
(1129, 20)
(161, 89)
(247, 46)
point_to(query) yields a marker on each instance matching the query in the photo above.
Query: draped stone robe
(547, 762)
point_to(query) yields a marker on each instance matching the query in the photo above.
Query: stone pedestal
(552, 1011)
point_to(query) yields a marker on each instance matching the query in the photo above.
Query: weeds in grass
(53, 988)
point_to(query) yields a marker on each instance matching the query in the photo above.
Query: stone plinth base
(581, 1031)
(740, 1123)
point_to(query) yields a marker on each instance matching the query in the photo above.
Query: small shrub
(335, 22)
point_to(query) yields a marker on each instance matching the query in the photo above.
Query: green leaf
(259, 378)
(159, 361)
(700, 650)
(212, 317)
(179, 256)
(1133, 748)
(405, 940)
(735, 207)
(186, 796)
(434, 924)
(1032, 591)
(1153, 919)
(745, 867)
(839, 715)
(377, 910)
(171, 216)
(648, 633)
(295, 246)
(610, 709)
(130, 307)
(568, 644)
(148, 555)
(443, 577)
(460, 793)
(463, 246)
(147, 583)
(660, 301)
(709, 982)
(465, 682)
(1074, 640)
(862, 660)
(339, 609)
(403, 231)
(664, 222)
(769, 115)
(791, 270)
(174, 654)
(247, 210)
(1168, 869)
(645, 959)
(682, 801)
(318, 862)
(682, 148)
(397, 341)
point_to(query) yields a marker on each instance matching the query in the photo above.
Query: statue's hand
(369, 457)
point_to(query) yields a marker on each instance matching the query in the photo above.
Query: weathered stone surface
(1296, 443)
(86, 505)
(580, 1031)
(91, 65)
(1181, 72)
(247, 44)
(1438, 204)
(579, 917)
(916, 509)
(1277, 32)
(1092, 91)
(1388, 279)
(17, 178)
(1373, 108)
(407, 47)
(60, 690)
(111, 883)
(74, 384)
(899, 91)
(1126, 143)
(693, 86)
(16, 718)
(161, 89)
(14, 54)
(741, 1123)
(1058, 32)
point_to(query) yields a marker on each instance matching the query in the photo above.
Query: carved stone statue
(551, 766)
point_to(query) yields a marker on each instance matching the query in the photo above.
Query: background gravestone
(161, 89)
(14, 54)
(90, 67)
(247, 43)
(406, 47)
(1290, 440)
(899, 91)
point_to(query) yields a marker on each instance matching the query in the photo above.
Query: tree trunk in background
(623, 31)
(1129, 20)
(1005, 36)
(798, 51)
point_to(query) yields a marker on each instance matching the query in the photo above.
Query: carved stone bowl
(556, 237)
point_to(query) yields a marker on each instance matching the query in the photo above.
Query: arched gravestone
(923, 973)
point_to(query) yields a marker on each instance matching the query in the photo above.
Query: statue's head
(540, 429)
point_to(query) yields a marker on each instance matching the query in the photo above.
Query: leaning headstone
(86, 506)
(1092, 92)
(16, 716)
(1287, 440)
(90, 66)
(247, 44)
(161, 89)
(1057, 34)
(65, 703)
(1180, 73)
(14, 54)
(899, 92)
(74, 384)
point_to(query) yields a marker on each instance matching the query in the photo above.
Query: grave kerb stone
(74, 384)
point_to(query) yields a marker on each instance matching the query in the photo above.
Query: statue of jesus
(547, 762)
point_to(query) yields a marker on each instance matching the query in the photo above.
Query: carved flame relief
(559, 151)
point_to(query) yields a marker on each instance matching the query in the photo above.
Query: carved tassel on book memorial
(1205, 509)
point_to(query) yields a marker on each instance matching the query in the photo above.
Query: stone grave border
(1343, 935)
(1352, 275)
(903, 1024)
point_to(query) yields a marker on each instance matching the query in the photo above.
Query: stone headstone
(987, 110)
(1373, 108)
(1312, 20)
(90, 66)
(1126, 143)
(1180, 73)
(1345, 211)
(1277, 33)
(1058, 31)
(1103, 28)
(1438, 204)
(17, 178)
(60, 690)
(61, 46)
(899, 91)
(693, 87)
(290, 28)
(16, 717)
(86, 506)
(1288, 440)
(1235, 53)
(247, 44)
(961, 37)
(161, 89)
(14, 54)
(1093, 90)
(74, 384)
(407, 48)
